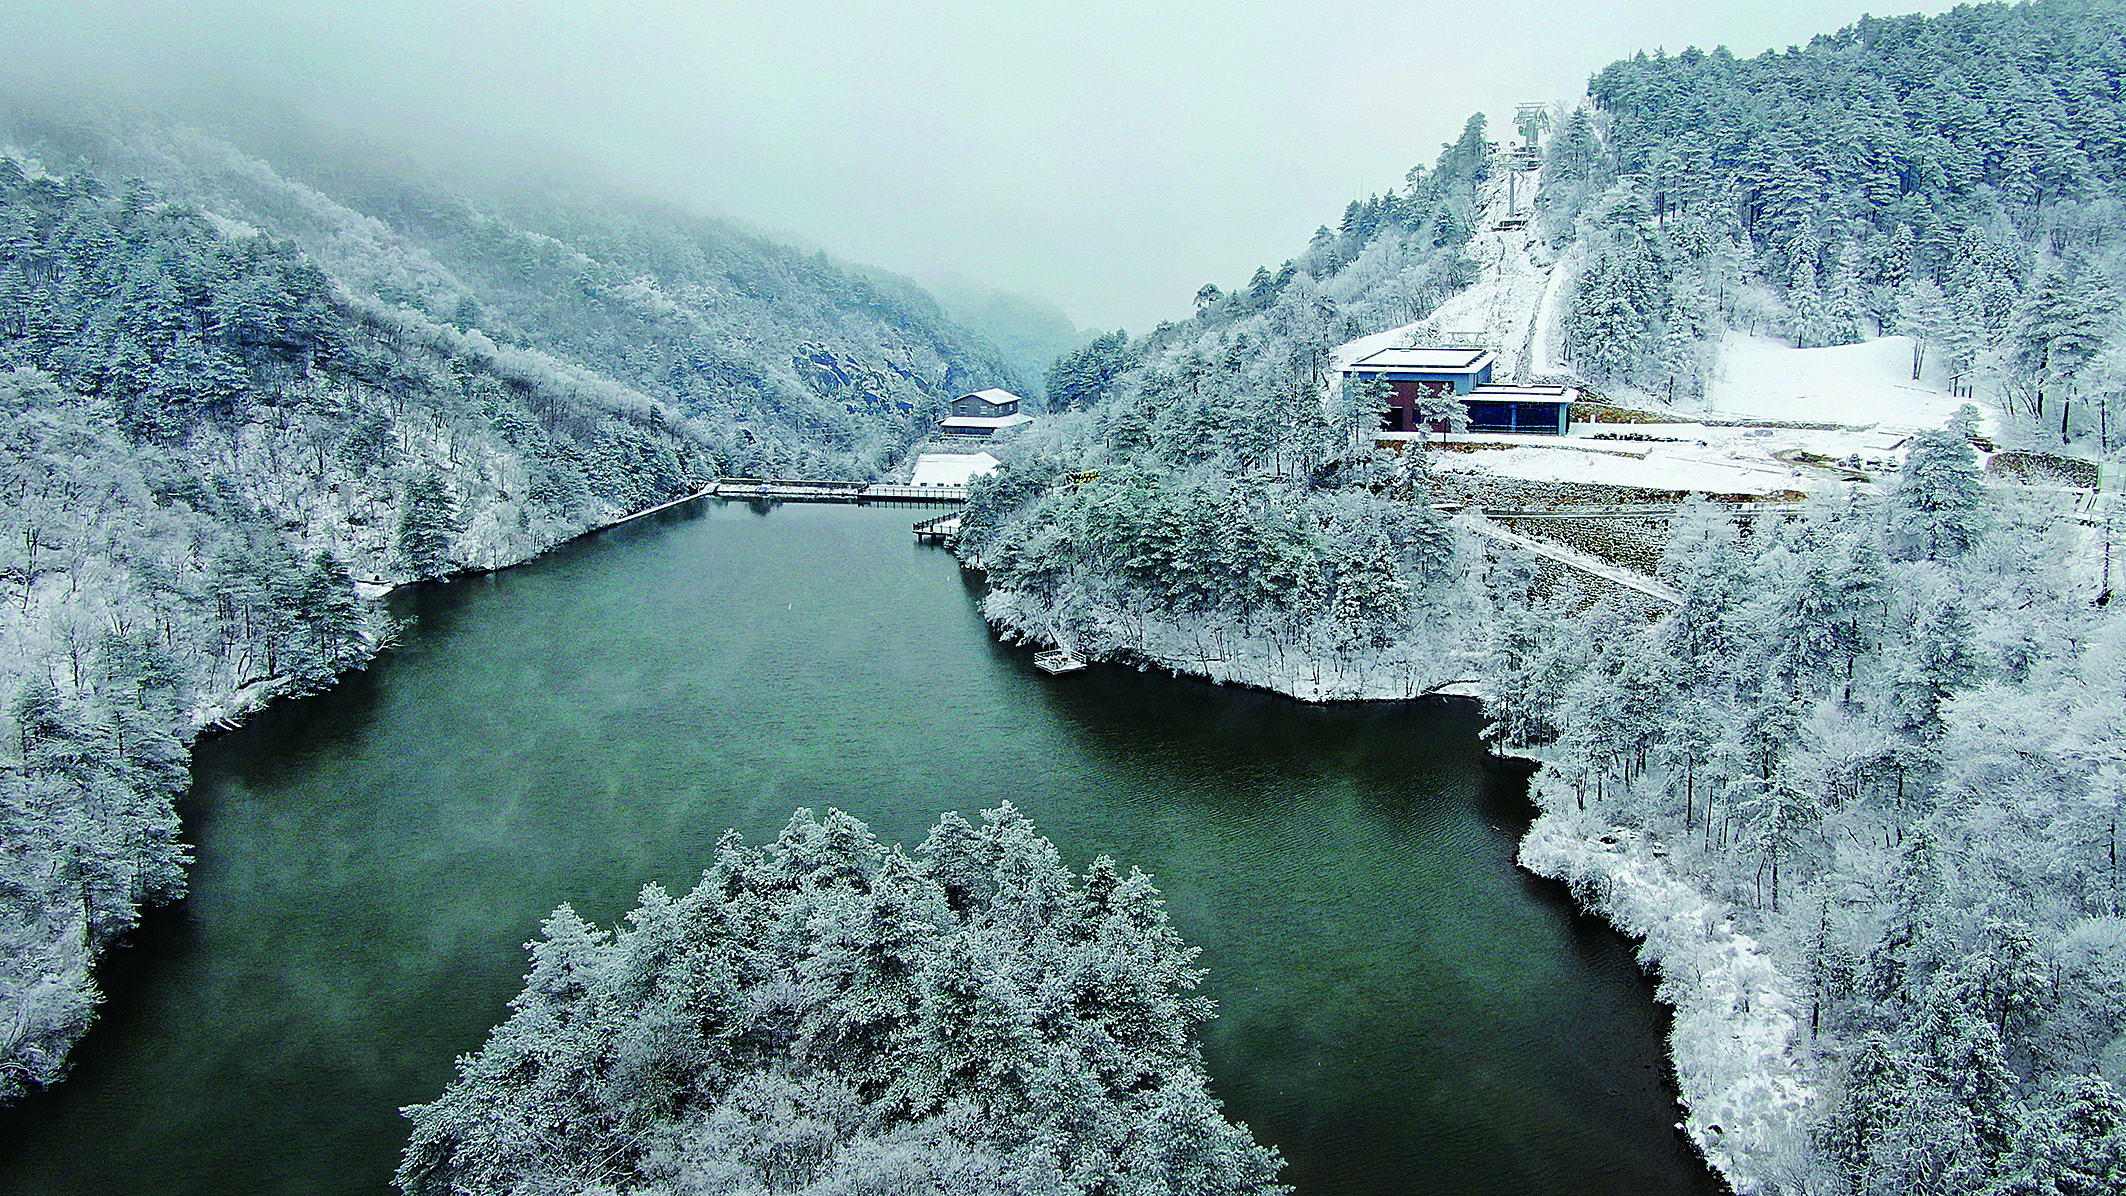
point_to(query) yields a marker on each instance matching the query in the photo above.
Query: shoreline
(226, 711)
(1741, 1110)
(1741, 1091)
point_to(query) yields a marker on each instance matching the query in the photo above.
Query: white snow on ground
(1865, 391)
(1734, 1035)
(1549, 316)
(1710, 458)
(1757, 377)
(1501, 305)
(950, 469)
(1659, 467)
(1366, 346)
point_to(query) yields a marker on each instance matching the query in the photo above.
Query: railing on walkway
(826, 490)
(936, 531)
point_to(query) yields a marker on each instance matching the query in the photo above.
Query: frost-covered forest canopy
(1953, 178)
(1887, 737)
(1217, 512)
(829, 1015)
(1880, 740)
(1884, 737)
(230, 399)
(795, 364)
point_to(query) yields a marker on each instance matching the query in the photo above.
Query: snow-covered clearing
(1735, 1030)
(1758, 377)
(1863, 395)
(1692, 465)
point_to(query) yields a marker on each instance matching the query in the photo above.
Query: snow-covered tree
(1938, 505)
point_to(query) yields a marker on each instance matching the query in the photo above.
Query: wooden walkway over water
(817, 490)
(938, 530)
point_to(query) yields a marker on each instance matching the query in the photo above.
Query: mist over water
(1400, 1009)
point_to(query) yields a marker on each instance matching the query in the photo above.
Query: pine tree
(1937, 507)
(1606, 328)
(2077, 1145)
(1812, 321)
(1923, 315)
(1844, 305)
(1940, 659)
(1371, 597)
(2060, 324)
(38, 715)
(1573, 151)
(332, 613)
(1891, 273)
(427, 526)
(1375, 409)
(1442, 406)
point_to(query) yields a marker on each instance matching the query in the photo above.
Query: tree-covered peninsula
(826, 1014)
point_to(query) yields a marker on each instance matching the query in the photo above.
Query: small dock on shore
(938, 530)
(1056, 661)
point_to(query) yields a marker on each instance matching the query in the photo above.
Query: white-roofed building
(987, 404)
(950, 469)
(983, 414)
(1418, 374)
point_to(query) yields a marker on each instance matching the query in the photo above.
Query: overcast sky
(1108, 156)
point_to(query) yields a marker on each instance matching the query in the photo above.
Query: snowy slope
(1501, 305)
(1869, 383)
(1694, 466)
(1498, 310)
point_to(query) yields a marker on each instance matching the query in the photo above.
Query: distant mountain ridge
(794, 362)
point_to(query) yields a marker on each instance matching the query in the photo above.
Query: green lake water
(1401, 1010)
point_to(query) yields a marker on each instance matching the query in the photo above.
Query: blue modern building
(1419, 374)
(1540, 410)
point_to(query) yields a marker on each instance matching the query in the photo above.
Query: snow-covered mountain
(246, 393)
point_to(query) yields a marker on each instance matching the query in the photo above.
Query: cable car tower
(1533, 120)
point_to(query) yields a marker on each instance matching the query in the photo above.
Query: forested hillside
(1879, 744)
(1224, 519)
(1886, 739)
(220, 418)
(1954, 178)
(206, 442)
(795, 364)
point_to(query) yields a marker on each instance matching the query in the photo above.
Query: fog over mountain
(1108, 157)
